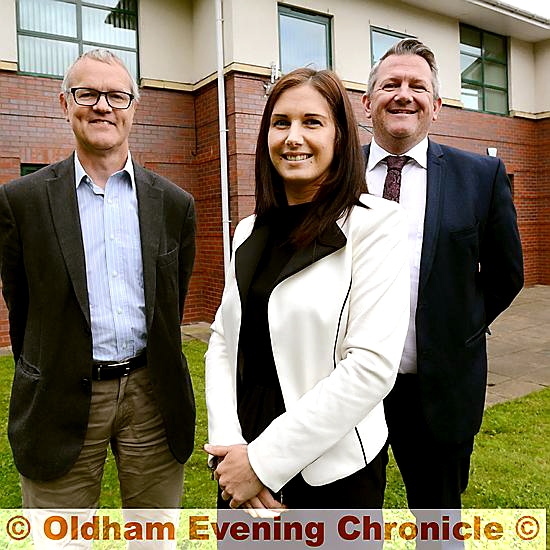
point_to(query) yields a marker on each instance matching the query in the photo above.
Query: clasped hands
(239, 483)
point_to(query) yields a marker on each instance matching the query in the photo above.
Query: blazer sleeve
(14, 280)
(367, 361)
(501, 259)
(186, 252)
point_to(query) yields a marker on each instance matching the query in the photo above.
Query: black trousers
(435, 473)
(363, 489)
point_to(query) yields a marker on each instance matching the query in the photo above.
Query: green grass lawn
(510, 464)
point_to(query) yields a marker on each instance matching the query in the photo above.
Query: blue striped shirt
(114, 268)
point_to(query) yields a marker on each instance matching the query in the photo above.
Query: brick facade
(176, 134)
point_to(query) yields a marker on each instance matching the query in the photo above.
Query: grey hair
(408, 46)
(105, 56)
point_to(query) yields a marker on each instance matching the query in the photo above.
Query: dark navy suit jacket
(470, 271)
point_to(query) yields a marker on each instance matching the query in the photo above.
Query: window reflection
(52, 33)
(304, 40)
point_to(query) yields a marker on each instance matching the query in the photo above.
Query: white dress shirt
(413, 199)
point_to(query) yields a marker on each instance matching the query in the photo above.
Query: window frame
(311, 17)
(82, 44)
(380, 30)
(485, 59)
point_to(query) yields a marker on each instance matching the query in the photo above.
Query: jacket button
(85, 383)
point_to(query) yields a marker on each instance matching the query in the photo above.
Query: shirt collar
(419, 153)
(80, 173)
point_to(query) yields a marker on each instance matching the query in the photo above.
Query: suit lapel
(61, 191)
(150, 208)
(432, 219)
(366, 151)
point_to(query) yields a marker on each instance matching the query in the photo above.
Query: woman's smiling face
(301, 141)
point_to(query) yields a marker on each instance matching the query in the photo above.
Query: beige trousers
(123, 414)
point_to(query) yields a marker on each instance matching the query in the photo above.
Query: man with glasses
(96, 254)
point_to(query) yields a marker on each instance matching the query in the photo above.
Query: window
(381, 41)
(53, 33)
(304, 40)
(483, 65)
(30, 168)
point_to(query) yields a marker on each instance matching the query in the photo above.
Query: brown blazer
(44, 285)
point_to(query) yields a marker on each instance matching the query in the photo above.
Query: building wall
(540, 196)
(168, 61)
(208, 274)
(540, 86)
(521, 65)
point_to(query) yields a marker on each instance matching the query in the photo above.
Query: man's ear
(366, 104)
(437, 107)
(64, 106)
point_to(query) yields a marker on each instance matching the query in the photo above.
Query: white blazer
(337, 324)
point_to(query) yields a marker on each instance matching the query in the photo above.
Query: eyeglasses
(88, 97)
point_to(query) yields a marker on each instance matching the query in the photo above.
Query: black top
(259, 394)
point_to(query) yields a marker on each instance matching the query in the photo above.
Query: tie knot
(396, 163)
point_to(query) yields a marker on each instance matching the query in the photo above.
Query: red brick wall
(176, 134)
(209, 274)
(542, 199)
(4, 326)
(245, 104)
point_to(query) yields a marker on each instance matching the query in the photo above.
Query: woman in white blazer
(308, 337)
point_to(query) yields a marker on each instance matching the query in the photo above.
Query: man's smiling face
(100, 129)
(402, 104)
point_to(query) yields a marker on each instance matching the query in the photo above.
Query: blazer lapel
(150, 208)
(331, 240)
(434, 202)
(61, 191)
(247, 257)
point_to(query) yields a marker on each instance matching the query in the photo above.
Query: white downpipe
(222, 119)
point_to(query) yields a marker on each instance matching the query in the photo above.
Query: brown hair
(346, 179)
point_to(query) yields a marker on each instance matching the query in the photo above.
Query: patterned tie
(392, 185)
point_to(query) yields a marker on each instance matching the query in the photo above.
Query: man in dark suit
(96, 254)
(466, 268)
